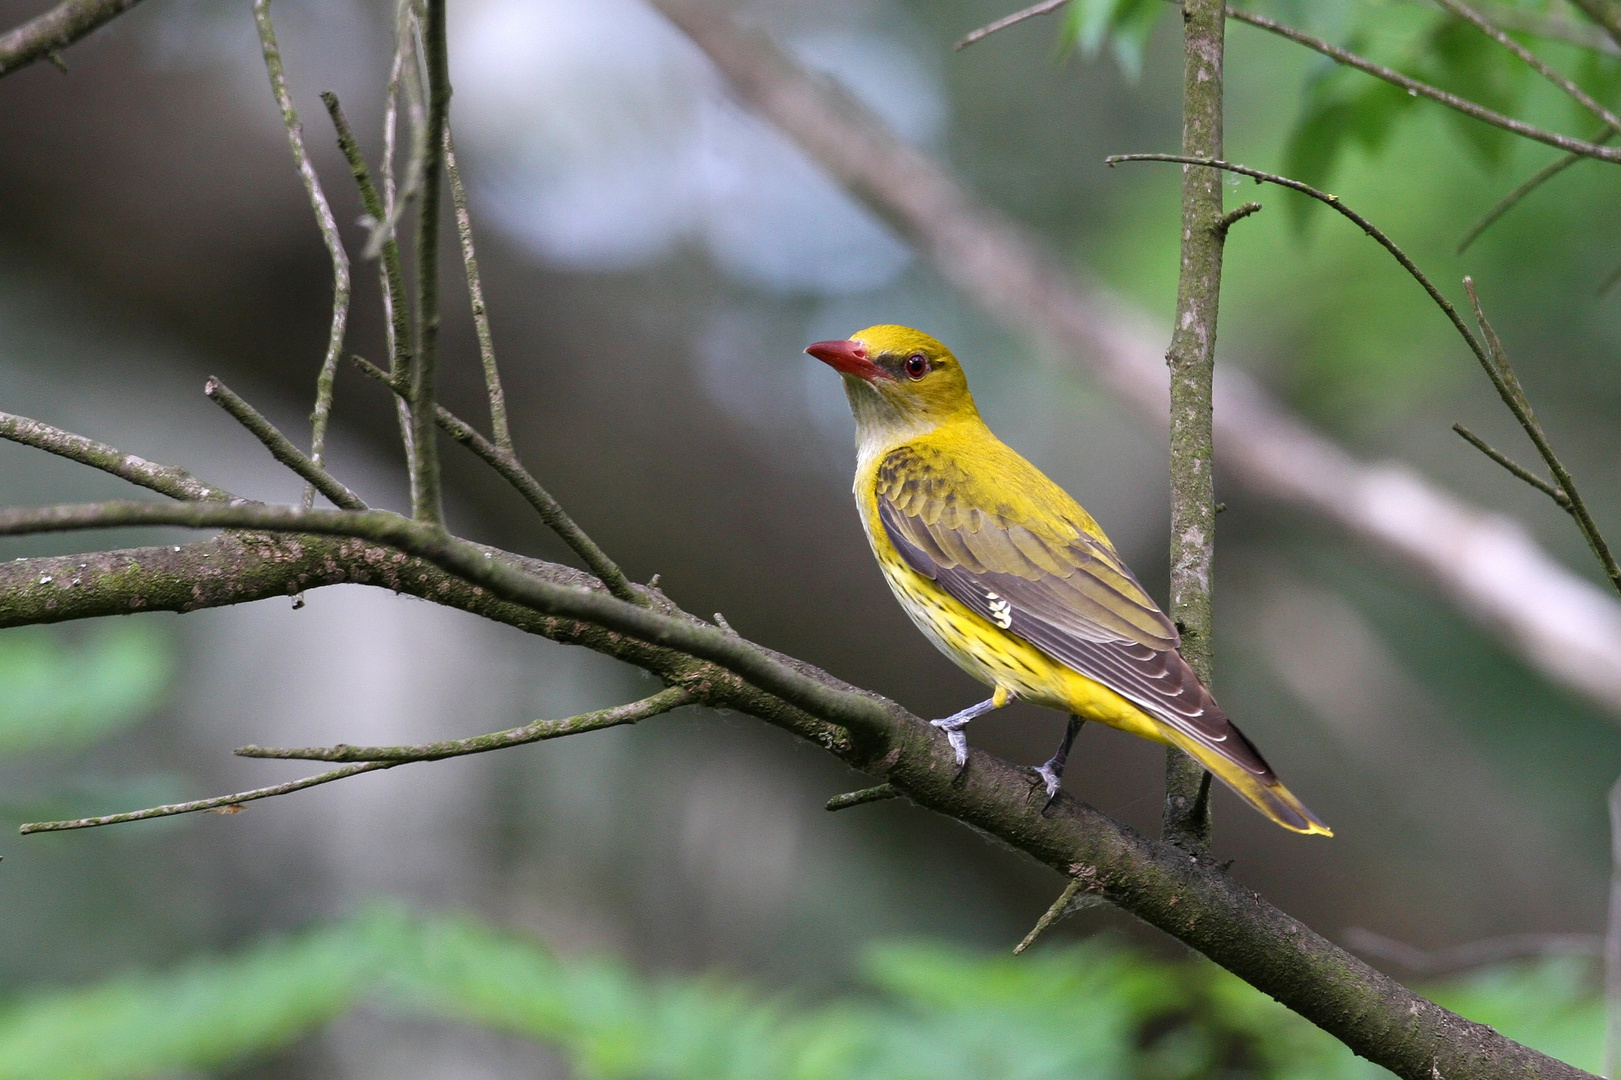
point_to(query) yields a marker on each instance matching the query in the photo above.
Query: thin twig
(475, 293)
(1533, 61)
(215, 803)
(1471, 954)
(427, 506)
(403, 74)
(1513, 467)
(550, 510)
(280, 448)
(168, 480)
(1423, 89)
(1507, 384)
(41, 37)
(1513, 198)
(396, 306)
(1043, 8)
(863, 797)
(321, 415)
(1235, 215)
(662, 702)
(1071, 900)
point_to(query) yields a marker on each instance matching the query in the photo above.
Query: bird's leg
(1052, 773)
(953, 725)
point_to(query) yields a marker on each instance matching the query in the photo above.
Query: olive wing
(1055, 586)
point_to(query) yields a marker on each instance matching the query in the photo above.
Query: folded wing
(1045, 579)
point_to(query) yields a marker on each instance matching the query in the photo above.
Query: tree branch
(1534, 62)
(1187, 897)
(475, 294)
(43, 36)
(426, 505)
(662, 702)
(1486, 564)
(1424, 89)
(377, 758)
(322, 412)
(1513, 198)
(280, 448)
(1192, 360)
(163, 479)
(506, 463)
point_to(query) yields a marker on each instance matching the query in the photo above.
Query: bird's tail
(1270, 798)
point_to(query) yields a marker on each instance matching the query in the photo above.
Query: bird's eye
(917, 365)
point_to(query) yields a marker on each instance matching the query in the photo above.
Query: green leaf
(1460, 59)
(61, 694)
(1125, 25)
(1343, 108)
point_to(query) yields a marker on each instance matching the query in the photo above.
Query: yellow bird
(1012, 580)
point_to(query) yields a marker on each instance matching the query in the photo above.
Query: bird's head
(898, 379)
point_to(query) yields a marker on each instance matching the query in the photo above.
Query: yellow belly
(1002, 661)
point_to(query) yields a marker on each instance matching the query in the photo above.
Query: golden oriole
(1012, 580)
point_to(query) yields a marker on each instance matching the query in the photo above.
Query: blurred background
(654, 259)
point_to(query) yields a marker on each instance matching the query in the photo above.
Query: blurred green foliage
(61, 692)
(926, 1012)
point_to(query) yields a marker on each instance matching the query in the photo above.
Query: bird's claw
(957, 737)
(1049, 778)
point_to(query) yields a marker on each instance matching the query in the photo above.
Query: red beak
(847, 358)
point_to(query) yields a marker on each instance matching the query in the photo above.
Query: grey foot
(1052, 773)
(956, 736)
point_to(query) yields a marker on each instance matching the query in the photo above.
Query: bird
(1009, 577)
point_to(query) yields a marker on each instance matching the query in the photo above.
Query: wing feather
(1054, 585)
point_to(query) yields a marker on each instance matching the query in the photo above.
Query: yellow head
(898, 380)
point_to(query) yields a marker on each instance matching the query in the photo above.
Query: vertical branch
(396, 308)
(322, 413)
(475, 292)
(426, 506)
(1192, 360)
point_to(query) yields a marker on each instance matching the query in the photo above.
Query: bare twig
(167, 480)
(322, 413)
(397, 308)
(218, 802)
(550, 510)
(1513, 467)
(863, 797)
(475, 293)
(1074, 898)
(280, 448)
(1423, 89)
(1192, 362)
(1507, 384)
(1513, 198)
(1471, 954)
(1235, 215)
(540, 730)
(1044, 8)
(41, 37)
(1533, 61)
